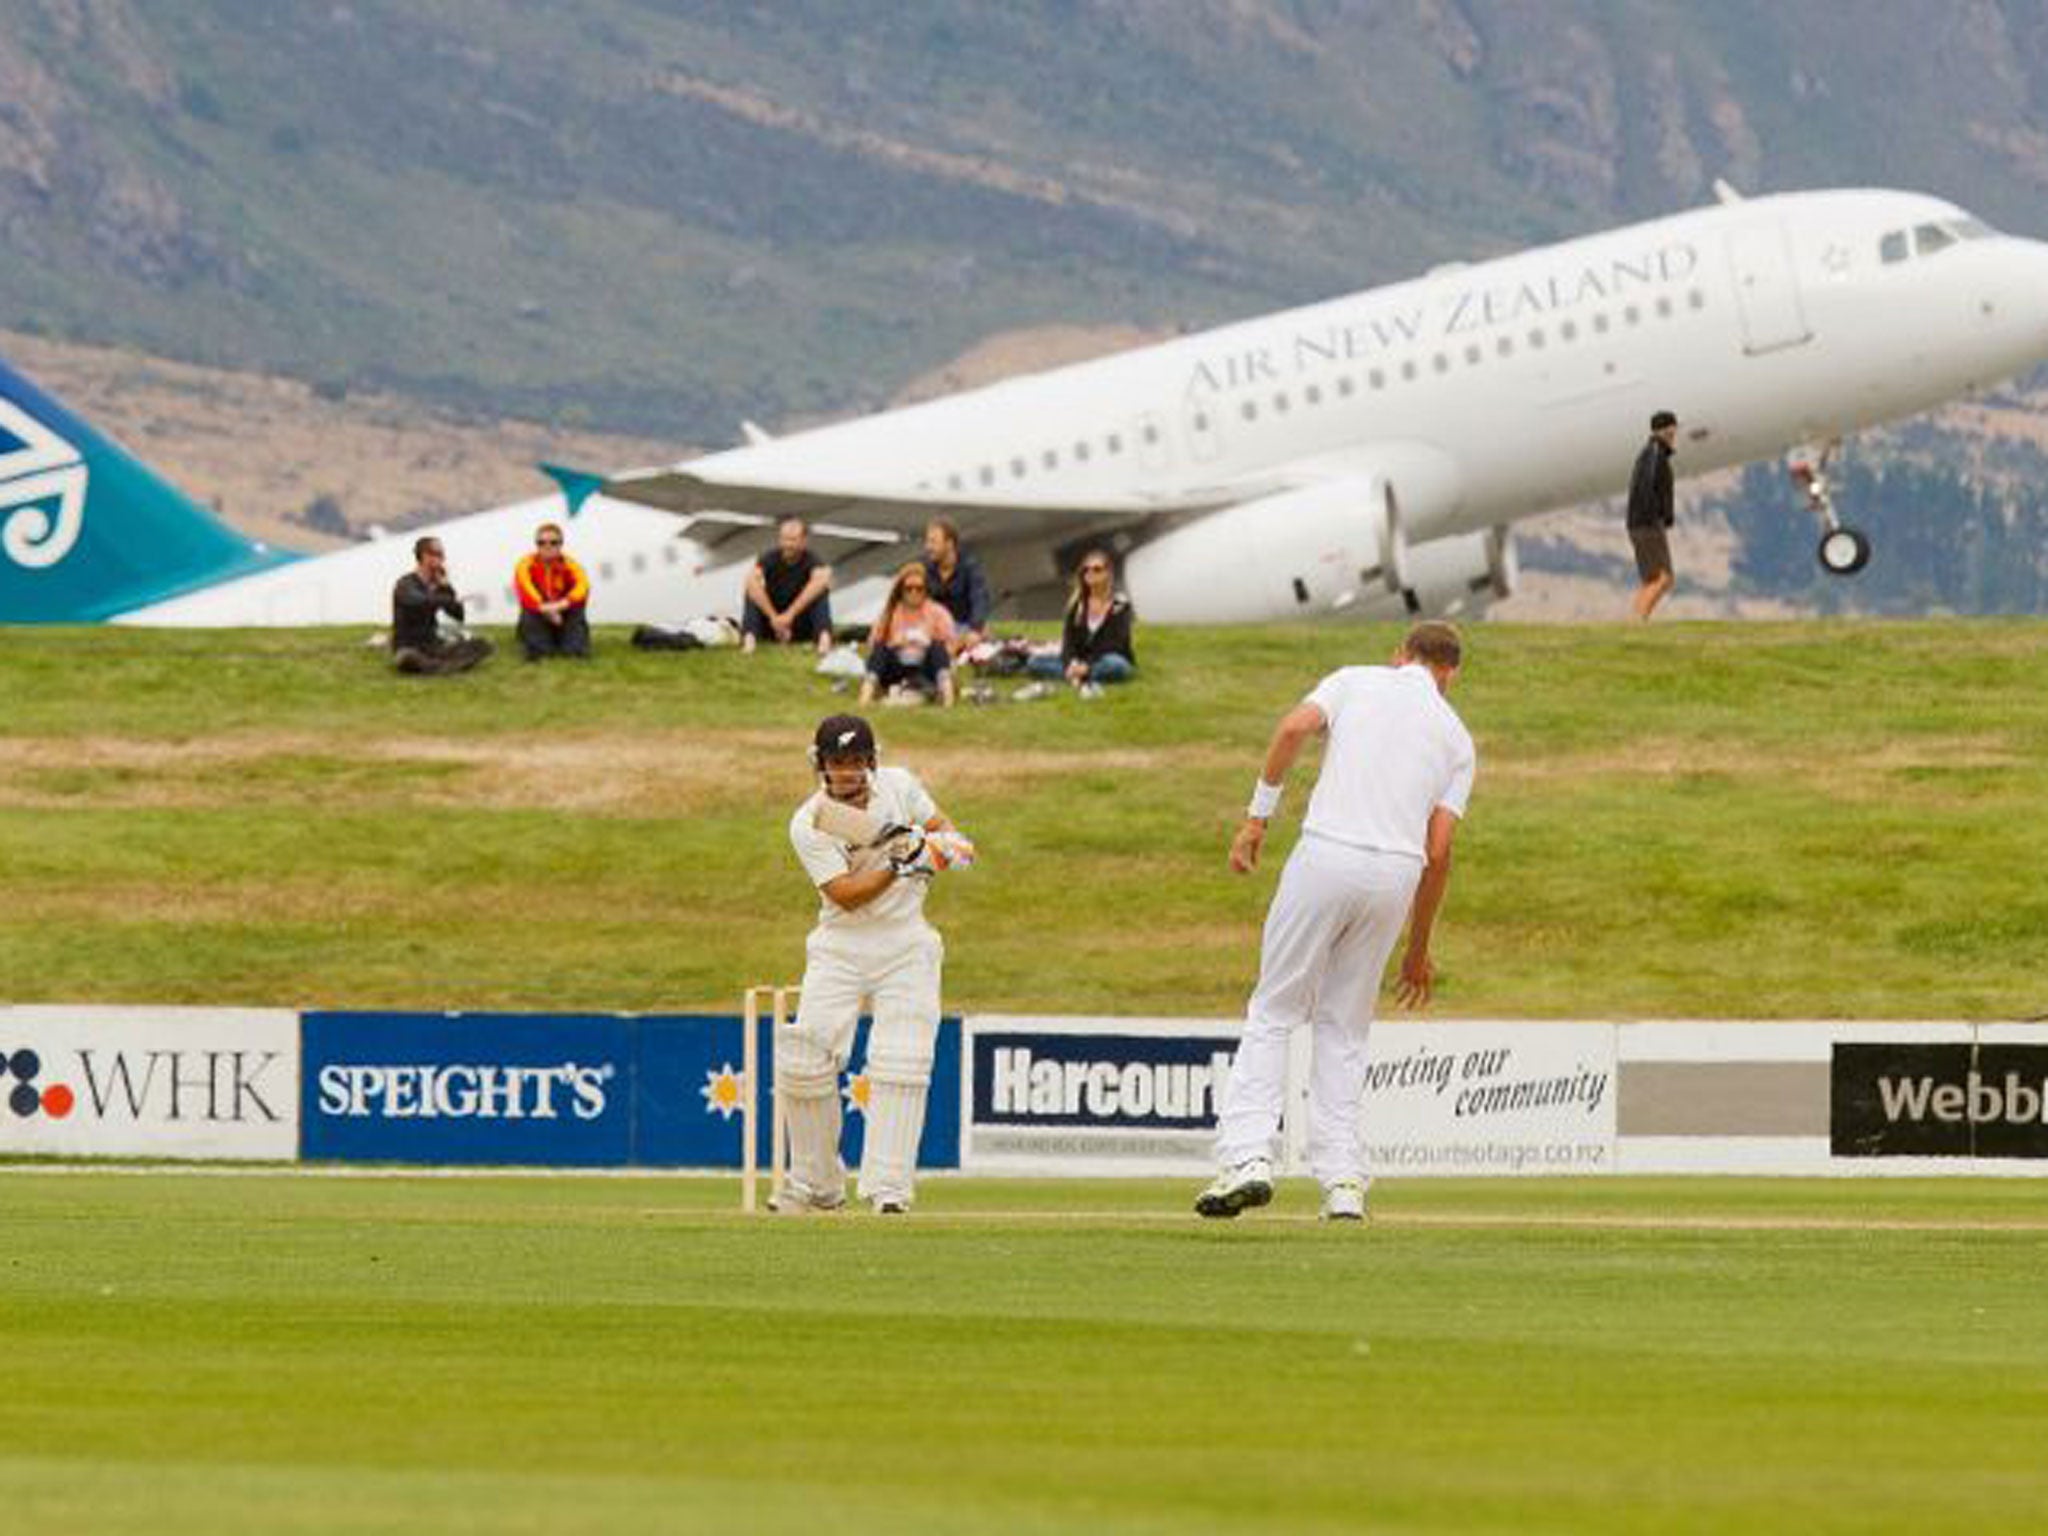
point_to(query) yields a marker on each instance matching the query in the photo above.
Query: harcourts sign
(468, 1088)
(1139, 1095)
(149, 1082)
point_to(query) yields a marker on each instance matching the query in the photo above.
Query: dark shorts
(1653, 552)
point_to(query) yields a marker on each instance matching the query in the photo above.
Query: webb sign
(150, 1082)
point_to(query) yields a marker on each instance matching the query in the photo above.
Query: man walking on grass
(1650, 515)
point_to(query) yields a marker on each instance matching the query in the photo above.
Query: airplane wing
(890, 512)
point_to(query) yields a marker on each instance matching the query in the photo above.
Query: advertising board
(149, 1082)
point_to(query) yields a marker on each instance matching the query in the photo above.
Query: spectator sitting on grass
(1095, 642)
(908, 648)
(553, 594)
(787, 592)
(422, 595)
(956, 583)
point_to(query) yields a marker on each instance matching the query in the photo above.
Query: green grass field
(1773, 821)
(213, 1355)
(1819, 819)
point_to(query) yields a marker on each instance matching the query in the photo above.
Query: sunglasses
(1094, 570)
(913, 587)
(550, 543)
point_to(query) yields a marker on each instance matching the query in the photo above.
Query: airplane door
(1766, 289)
(1205, 440)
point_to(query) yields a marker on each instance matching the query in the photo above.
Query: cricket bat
(851, 824)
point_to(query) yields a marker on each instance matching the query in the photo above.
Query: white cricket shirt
(896, 796)
(1396, 751)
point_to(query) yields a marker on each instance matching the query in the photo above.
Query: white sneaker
(797, 1199)
(891, 1205)
(1248, 1185)
(1344, 1200)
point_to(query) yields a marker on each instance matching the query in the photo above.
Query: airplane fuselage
(1455, 403)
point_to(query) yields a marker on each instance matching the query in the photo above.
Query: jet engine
(1311, 553)
(1335, 550)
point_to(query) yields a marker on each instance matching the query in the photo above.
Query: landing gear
(1843, 551)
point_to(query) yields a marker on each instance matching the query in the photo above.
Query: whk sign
(149, 1082)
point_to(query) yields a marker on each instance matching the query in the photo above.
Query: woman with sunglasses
(1095, 643)
(910, 646)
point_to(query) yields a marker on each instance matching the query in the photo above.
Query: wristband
(1265, 801)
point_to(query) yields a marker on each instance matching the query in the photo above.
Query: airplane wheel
(1843, 551)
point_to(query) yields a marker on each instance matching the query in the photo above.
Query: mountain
(663, 217)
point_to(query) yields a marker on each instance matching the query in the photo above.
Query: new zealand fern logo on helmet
(42, 491)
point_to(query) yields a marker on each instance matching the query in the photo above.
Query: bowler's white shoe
(1242, 1188)
(1344, 1200)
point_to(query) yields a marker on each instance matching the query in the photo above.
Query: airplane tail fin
(87, 531)
(577, 485)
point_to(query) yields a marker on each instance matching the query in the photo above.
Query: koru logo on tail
(42, 491)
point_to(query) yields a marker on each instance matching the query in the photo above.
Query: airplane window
(988, 475)
(606, 570)
(1052, 458)
(1696, 299)
(1344, 385)
(1568, 331)
(673, 555)
(1929, 238)
(1472, 353)
(639, 562)
(1892, 247)
(1313, 395)
(1081, 452)
(1600, 325)
(1505, 346)
(1114, 443)
(1377, 379)
(1249, 410)
(1408, 370)
(1151, 434)
(952, 482)
(1632, 315)
(1441, 363)
(1017, 469)
(1663, 306)
(1280, 401)
(1536, 339)
(1201, 421)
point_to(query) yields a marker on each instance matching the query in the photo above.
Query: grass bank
(1819, 819)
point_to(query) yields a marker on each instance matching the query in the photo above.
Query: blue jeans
(1111, 668)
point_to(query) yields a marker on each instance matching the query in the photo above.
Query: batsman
(871, 839)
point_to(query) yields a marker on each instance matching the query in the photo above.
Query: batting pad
(888, 1165)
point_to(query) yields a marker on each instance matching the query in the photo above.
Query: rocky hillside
(663, 215)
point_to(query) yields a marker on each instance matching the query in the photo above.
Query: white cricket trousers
(896, 968)
(1334, 921)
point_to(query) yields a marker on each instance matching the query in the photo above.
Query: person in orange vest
(553, 592)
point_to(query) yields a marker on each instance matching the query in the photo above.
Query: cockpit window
(1892, 247)
(1973, 229)
(1929, 238)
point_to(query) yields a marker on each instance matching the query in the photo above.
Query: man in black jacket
(1650, 514)
(422, 595)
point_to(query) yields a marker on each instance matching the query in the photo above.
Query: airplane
(1364, 457)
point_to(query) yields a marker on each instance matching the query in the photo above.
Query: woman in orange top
(553, 592)
(910, 646)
